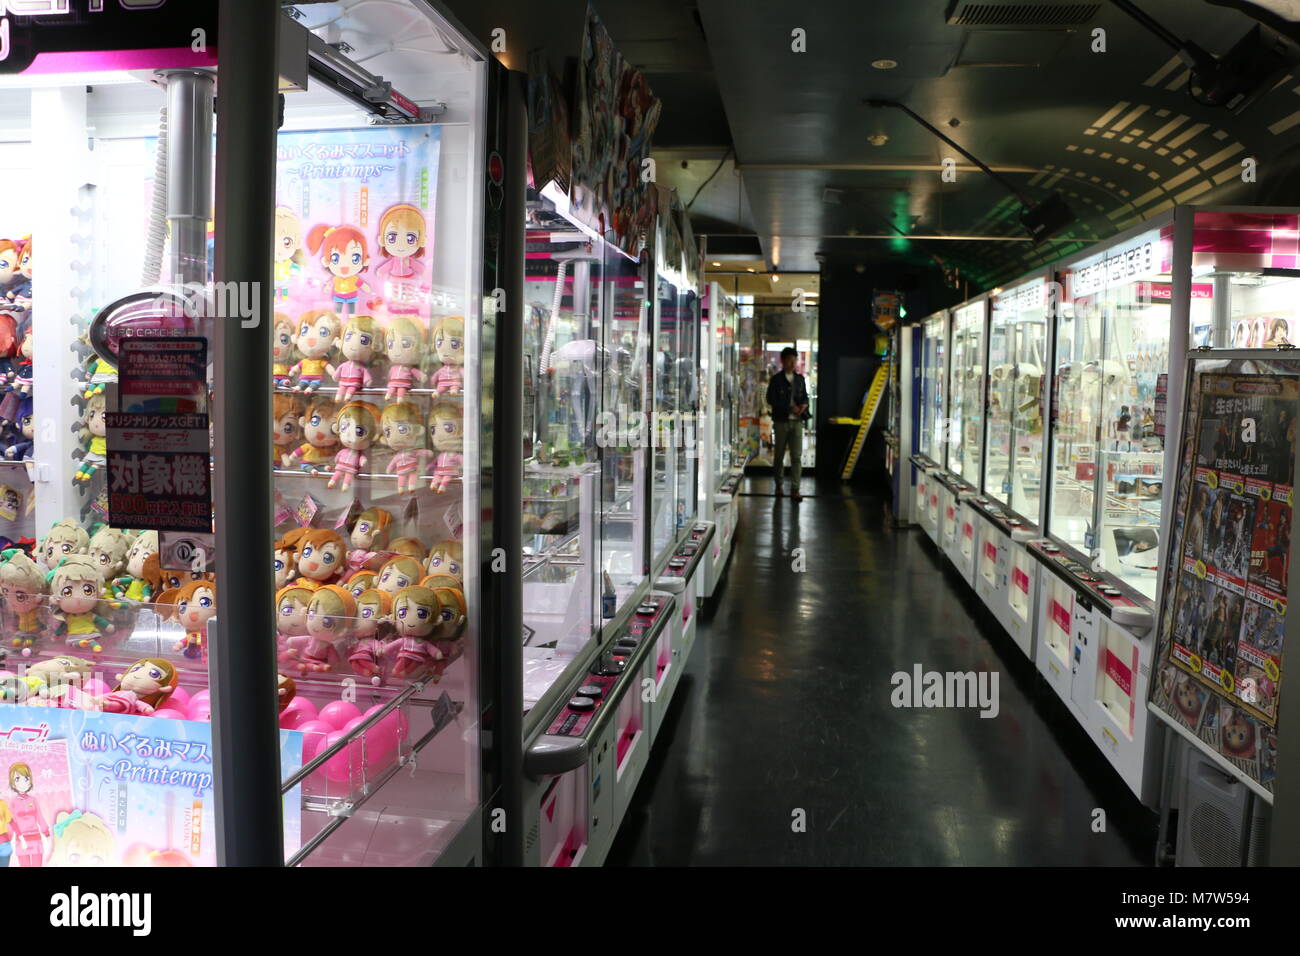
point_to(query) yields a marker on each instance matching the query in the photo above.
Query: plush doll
(374, 607)
(287, 412)
(408, 546)
(22, 365)
(283, 353)
(361, 581)
(317, 332)
(344, 255)
(21, 432)
(321, 438)
(133, 585)
(22, 592)
(368, 536)
(403, 430)
(322, 557)
(94, 431)
(110, 548)
(446, 432)
(20, 289)
(447, 557)
(76, 587)
(10, 266)
(362, 341)
(416, 615)
(449, 346)
(291, 621)
(357, 426)
(142, 689)
(285, 691)
(57, 681)
(405, 348)
(397, 573)
(331, 614)
(193, 604)
(65, 538)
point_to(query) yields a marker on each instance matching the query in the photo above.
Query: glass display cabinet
(965, 434)
(722, 451)
(1011, 497)
(902, 424)
(933, 410)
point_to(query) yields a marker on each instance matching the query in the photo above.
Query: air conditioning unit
(1212, 806)
(1012, 14)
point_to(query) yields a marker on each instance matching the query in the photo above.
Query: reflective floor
(783, 748)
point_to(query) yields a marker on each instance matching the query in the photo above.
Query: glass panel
(377, 426)
(965, 455)
(667, 388)
(1017, 342)
(686, 440)
(564, 272)
(1077, 401)
(933, 387)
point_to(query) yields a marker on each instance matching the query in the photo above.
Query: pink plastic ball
(171, 713)
(200, 697)
(96, 687)
(314, 733)
(338, 713)
(346, 763)
(179, 698)
(297, 712)
(202, 710)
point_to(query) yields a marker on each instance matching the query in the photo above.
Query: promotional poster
(1221, 648)
(86, 788)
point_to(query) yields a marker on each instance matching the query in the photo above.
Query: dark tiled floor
(785, 707)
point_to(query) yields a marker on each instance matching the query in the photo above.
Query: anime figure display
(21, 368)
(402, 238)
(403, 431)
(446, 432)
(322, 556)
(449, 346)
(133, 585)
(357, 427)
(194, 604)
(321, 438)
(344, 256)
(416, 615)
(317, 333)
(10, 265)
(66, 537)
(287, 413)
(22, 592)
(362, 342)
(142, 689)
(77, 587)
(27, 821)
(283, 353)
(405, 347)
(330, 617)
(374, 608)
(94, 432)
(57, 681)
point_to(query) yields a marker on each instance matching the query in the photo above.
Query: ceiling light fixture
(884, 64)
(878, 139)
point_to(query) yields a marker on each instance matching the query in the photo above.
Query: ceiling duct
(1007, 14)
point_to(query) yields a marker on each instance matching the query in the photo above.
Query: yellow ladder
(869, 408)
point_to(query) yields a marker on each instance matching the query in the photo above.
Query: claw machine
(1119, 344)
(724, 465)
(933, 414)
(903, 405)
(1011, 494)
(964, 436)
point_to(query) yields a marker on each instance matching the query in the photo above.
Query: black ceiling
(1116, 131)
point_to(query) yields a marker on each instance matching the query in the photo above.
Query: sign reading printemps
(65, 36)
(1139, 259)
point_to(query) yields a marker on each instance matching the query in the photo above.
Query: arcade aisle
(789, 708)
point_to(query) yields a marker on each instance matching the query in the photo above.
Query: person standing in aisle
(787, 393)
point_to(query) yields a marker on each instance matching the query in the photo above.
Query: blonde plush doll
(109, 548)
(134, 584)
(94, 432)
(65, 538)
(449, 346)
(76, 588)
(81, 839)
(22, 591)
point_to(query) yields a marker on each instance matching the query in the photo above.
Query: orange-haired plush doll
(142, 689)
(322, 556)
(193, 604)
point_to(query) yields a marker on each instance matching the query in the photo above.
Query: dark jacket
(780, 398)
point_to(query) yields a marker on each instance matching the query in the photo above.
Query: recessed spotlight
(749, 270)
(715, 263)
(884, 64)
(775, 277)
(878, 139)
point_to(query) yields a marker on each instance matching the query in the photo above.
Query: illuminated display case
(933, 410)
(376, 392)
(723, 446)
(902, 423)
(967, 378)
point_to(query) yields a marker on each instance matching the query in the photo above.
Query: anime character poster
(354, 221)
(1223, 632)
(85, 788)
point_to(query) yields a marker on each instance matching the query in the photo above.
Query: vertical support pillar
(242, 664)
